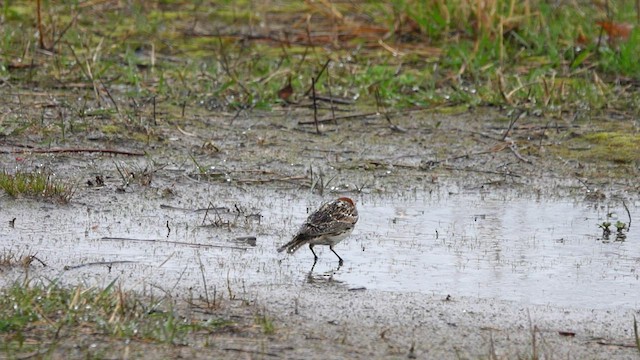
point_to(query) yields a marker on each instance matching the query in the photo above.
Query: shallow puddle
(521, 249)
(529, 250)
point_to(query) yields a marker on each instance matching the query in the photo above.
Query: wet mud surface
(464, 248)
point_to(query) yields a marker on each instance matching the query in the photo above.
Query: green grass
(36, 184)
(192, 60)
(614, 147)
(32, 316)
(266, 324)
(528, 42)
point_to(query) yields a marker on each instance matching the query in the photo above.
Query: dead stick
(289, 178)
(338, 118)
(113, 101)
(39, 20)
(173, 243)
(315, 80)
(315, 105)
(628, 214)
(73, 150)
(514, 149)
(108, 263)
(511, 124)
(334, 100)
(452, 168)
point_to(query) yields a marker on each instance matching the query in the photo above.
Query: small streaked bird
(328, 225)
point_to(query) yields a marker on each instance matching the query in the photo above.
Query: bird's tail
(293, 245)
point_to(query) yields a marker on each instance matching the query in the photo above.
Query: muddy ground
(141, 220)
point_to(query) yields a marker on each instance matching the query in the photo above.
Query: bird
(328, 225)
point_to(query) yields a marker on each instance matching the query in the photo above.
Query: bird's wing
(310, 230)
(330, 218)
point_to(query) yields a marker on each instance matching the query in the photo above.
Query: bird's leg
(310, 275)
(339, 262)
(315, 257)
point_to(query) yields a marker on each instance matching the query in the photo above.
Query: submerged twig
(108, 263)
(262, 181)
(174, 243)
(74, 150)
(624, 204)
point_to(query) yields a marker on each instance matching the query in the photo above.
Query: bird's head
(347, 200)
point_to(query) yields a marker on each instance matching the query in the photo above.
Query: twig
(251, 352)
(173, 243)
(511, 123)
(629, 215)
(33, 257)
(514, 149)
(315, 106)
(74, 150)
(206, 213)
(39, 20)
(481, 171)
(315, 80)
(262, 181)
(113, 101)
(331, 119)
(334, 100)
(610, 343)
(108, 263)
(333, 110)
(184, 104)
(155, 122)
(584, 183)
(169, 207)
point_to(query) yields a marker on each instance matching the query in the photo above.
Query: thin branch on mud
(184, 104)
(113, 101)
(383, 110)
(584, 183)
(514, 149)
(227, 66)
(262, 181)
(629, 215)
(364, 115)
(252, 352)
(218, 220)
(479, 133)
(107, 263)
(432, 163)
(618, 344)
(331, 119)
(512, 123)
(74, 150)
(453, 168)
(155, 121)
(315, 80)
(333, 109)
(334, 100)
(174, 243)
(315, 106)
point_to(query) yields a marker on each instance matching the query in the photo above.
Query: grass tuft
(55, 312)
(266, 323)
(37, 184)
